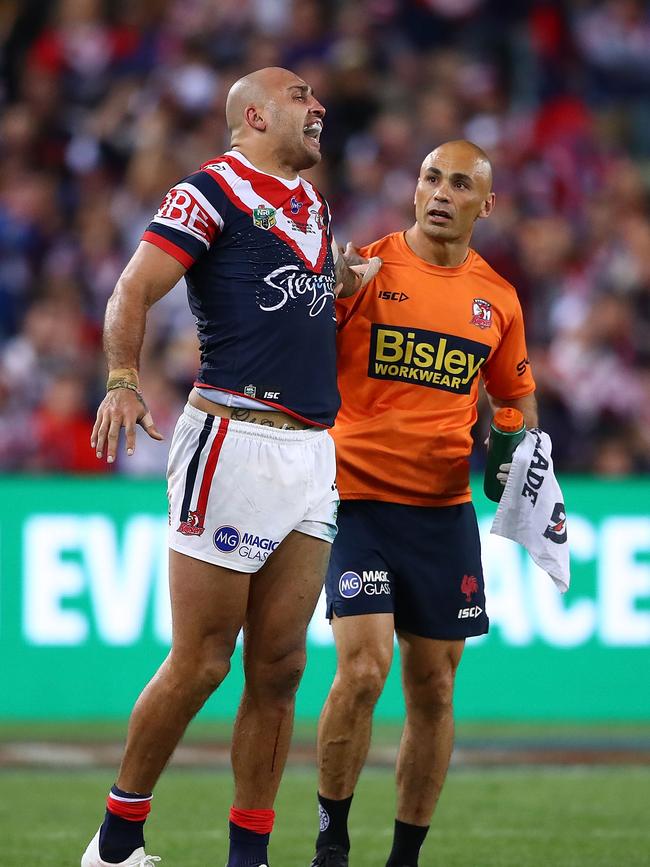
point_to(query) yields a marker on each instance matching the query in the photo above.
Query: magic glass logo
(226, 538)
(350, 585)
(429, 358)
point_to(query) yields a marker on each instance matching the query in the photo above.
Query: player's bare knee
(276, 680)
(201, 669)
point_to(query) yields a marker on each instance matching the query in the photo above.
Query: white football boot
(92, 858)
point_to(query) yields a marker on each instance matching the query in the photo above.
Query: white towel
(531, 510)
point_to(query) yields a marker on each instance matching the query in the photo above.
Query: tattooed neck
(252, 416)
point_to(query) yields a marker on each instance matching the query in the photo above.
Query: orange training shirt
(411, 346)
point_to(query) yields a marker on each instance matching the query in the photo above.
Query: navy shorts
(421, 564)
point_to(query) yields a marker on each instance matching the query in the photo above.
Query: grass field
(518, 817)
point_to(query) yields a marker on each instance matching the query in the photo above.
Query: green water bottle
(506, 432)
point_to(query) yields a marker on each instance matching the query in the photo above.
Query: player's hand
(352, 255)
(366, 268)
(504, 470)
(121, 408)
(354, 272)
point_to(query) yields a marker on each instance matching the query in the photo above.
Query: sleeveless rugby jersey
(412, 345)
(260, 282)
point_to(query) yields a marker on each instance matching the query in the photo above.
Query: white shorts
(236, 489)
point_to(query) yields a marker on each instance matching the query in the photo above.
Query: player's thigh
(208, 603)
(283, 596)
(428, 668)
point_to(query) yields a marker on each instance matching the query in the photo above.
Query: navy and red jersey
(260, 282)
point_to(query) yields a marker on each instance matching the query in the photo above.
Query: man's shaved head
(466, 157)
(275, 121)
(453, 191)
(256, 88)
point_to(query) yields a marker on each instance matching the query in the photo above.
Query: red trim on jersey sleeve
(169, 247)
(277, 406)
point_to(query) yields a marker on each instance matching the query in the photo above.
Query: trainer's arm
(527, 405)
(149, 275)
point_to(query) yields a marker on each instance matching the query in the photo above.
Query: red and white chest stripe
(250, 190)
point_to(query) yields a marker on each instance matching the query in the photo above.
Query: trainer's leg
(364, 651)
(208, 606)
(428, 673)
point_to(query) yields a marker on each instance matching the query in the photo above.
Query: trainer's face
(453, 191)
(295, 121)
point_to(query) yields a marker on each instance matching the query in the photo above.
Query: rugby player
(412, 346)
(251, 475)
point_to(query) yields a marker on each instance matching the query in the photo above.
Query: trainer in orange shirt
(412, 346)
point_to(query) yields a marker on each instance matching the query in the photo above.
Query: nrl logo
(482, 313)
(263, 217)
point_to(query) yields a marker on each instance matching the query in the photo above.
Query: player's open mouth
(438, 215)
(312, 132)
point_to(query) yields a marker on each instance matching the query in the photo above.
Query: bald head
(453, 191)
(466, 158)
(275, 121)
(256, 89)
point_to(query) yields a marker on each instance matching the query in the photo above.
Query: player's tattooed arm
(149, 275)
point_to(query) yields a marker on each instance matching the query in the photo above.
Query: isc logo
(226, 538)
(474, 611)
(385, 295)
(271, 395)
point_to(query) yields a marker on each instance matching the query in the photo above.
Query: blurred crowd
(104, 104)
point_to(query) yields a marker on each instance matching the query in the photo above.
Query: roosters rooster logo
(482, 313)
(193, 526)
(469, 586)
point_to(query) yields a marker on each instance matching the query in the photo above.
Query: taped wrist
(121, 375)
(111, 385)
